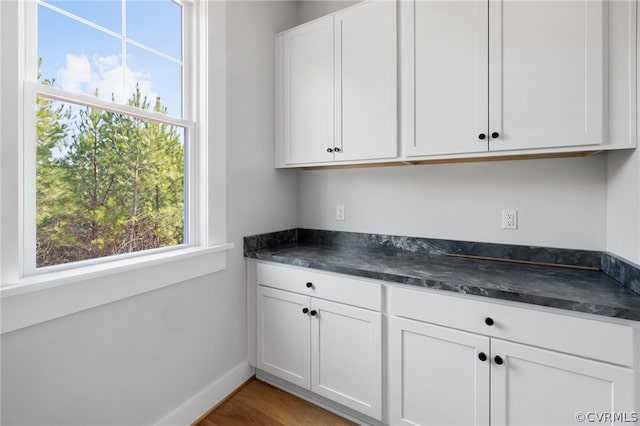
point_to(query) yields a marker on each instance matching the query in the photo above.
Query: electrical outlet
(339, 212)
(510, 219)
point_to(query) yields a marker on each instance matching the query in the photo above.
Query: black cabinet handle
(309, 285)
(482, 356)
(336, 149)
(329, 150)
(313, 313)
(482, 136)
(498, 359)
(488, 321)
(305, 310)
(495, 135)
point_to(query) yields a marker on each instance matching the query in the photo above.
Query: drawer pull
(488, 321)
(305, 310)
(498, 359)
(309, 284)
(313, 313)
(482, 356)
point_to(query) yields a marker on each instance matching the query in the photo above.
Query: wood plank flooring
(258, 403)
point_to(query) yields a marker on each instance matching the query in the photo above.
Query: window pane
(81, 59)
(106, 13)
(155, 76)
(157, 24)
(106, 183)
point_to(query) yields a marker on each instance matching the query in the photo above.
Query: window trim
(31, 91)
(33, 88)
(34, 299)
(42, 298)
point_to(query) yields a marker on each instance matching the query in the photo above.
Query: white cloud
(105, 62)
(76, 73)
(105, 74)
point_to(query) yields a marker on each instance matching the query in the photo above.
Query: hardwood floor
(258, 403)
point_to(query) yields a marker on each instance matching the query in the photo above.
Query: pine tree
(107, 183)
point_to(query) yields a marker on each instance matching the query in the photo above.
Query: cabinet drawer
(605, 341)
(338, 288)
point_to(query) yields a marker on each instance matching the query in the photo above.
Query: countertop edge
(551, 302)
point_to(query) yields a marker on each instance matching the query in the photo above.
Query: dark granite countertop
(592, 292)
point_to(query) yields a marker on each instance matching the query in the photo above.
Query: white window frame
(29, 295)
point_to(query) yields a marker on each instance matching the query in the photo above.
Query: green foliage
(106, 183)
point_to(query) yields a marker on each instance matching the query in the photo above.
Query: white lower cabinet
(346, 356)
(451, 359)
(284, 338)
(540, 387)
(332, 349)
(435, 375)
(443, 376)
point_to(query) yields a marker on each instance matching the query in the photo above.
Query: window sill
(44, 297)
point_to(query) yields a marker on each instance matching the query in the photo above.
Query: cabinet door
(309, 92)
(284, 335)
(547, 73)
(346, 353)
(366, 72)
(448, 58)
(436, 376)
(540, 387)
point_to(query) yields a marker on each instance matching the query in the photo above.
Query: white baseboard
(192, 409)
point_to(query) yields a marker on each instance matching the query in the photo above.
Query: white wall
(312, 9)
(560, 202)
(623, 204)
(260, 198)
(133, 361)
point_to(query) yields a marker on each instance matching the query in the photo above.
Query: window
(31, 294)
(113, 130)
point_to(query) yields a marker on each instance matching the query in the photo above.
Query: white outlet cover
(339, 212)
(510, 219)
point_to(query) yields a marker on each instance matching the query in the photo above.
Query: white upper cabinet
(476, 78)
(451, 71)
(547, 68)
(308, 78)
(517, 75)
(336, 94)
(366, 67)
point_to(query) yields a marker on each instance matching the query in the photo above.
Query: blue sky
(82, 58)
